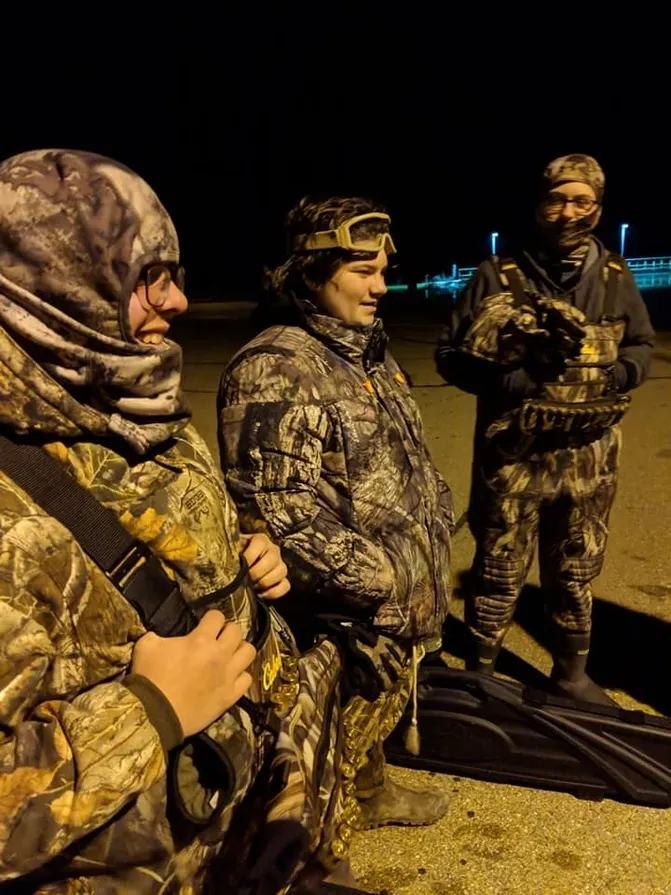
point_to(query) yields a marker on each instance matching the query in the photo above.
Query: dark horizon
(248, 117)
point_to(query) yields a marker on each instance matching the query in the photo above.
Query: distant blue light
(623, 233)
(649, 273)
(495, 236)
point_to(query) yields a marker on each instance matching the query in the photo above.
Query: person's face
(354, 291)
(568, 211)
(153, 306)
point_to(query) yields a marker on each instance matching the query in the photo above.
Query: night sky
(232, 117)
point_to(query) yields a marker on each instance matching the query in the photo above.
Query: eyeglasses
(157, 279)
(341, 237)
(556, 202)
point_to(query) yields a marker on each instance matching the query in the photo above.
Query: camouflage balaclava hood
(571, 238)
(76, 229)
(575, 169)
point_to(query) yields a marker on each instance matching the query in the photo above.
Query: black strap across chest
(127, 562)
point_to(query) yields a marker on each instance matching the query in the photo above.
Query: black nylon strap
(128, 563)
(509, 269)
(140, 578)
(95, 527)
(615, 266)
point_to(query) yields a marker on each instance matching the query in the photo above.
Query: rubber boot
(569, 678)
(340, 881)
(433, 647)
(385, 802)
(483, 657)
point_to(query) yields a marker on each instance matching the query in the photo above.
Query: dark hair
(290, 279)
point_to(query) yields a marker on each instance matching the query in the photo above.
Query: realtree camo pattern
(75, 231)
(80, 749)
(500, 329)
(559, 499)
(322, 443)
(299, 796)
(531, 487)
(546, 330)
(550, 334)
(83, 785)
(575, 168)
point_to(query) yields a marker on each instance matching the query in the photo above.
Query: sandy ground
(499, 839)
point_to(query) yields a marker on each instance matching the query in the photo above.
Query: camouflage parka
(323, 446)
(84, 746)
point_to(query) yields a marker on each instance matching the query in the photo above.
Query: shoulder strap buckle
(124, 569)
(512, 280)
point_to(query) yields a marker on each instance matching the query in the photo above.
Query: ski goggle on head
(342, 237)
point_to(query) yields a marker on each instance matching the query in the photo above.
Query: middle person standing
(323, 447)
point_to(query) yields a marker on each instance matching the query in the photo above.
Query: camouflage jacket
(615, 353)
(323, 446)
(492, 383)
(83, 783)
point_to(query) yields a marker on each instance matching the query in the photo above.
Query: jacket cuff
(158, 708)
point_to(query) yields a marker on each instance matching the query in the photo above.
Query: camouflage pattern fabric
(299, 805)
(571, 359)
(586, 374)
(500, 331)
(546, 468)
(560, 499)
(575, 168)
(574, 367)
(520, 461)
(583, 397)
(566, 329)
(80, 753)
(76, 229)
(323, 446)
(84, 795)
(544, 331)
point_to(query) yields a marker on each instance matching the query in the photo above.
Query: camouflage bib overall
(555, 489)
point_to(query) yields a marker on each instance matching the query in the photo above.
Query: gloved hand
(372, 662)
(519, 383)
(615, 379)
(519, 332)
(498, 330)
(566, 326)
(620, 377)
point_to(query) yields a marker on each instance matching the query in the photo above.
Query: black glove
(620, 377)
(519, 383)
(516, 334)
(565, 328)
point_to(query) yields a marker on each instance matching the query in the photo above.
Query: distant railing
(649, 273)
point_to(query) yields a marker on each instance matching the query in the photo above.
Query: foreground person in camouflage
(323, 448)
(551, 340)
(94, 711)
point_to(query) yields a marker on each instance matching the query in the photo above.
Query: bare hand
(266, 567)
(203, 674)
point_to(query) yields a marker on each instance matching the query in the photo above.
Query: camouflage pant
(560, 500)
(367, 725)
